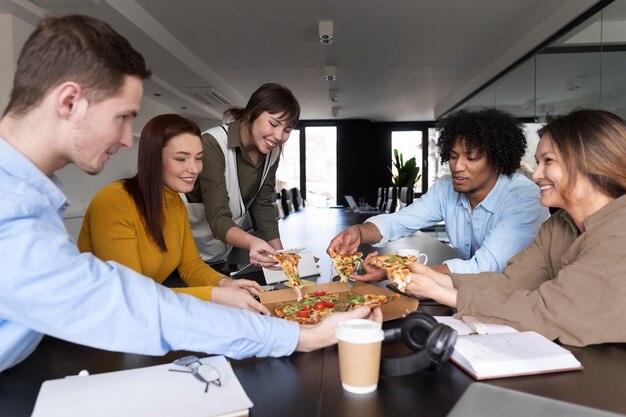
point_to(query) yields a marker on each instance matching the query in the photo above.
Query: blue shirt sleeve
(48, 287)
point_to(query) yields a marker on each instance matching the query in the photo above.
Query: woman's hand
(258, 253)
(321, 335)
(431, 284)
(252, 287)
(237, 297)
(372, 273)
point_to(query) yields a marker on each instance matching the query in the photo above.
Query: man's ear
(69, 99)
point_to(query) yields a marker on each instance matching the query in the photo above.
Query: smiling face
(105, 127)
(182, 162)
(268, 131)
(471, 172)
(549, 174)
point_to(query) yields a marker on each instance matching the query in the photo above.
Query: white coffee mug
(414, 252)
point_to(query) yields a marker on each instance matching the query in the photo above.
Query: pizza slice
(345, 264)
(396, 267)
(289, 263)
(311, 310)
(370, 300)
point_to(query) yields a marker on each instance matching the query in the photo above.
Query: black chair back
(285, 202)
(392, 200)
(296, 198)
(406, 197)
(381, 200)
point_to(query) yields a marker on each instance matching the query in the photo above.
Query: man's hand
(317, 336)
(372, 273)
(237, 297)
(347, 241)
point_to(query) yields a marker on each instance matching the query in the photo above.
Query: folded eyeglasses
(204, 373)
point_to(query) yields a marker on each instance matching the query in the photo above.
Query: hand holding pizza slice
(396, 267)
(345, 264)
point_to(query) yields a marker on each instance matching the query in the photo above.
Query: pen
(475, 324)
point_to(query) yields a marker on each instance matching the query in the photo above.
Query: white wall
(78, 186)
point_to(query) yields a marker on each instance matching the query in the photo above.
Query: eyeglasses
(202, 372)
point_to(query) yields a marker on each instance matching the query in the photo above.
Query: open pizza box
(391, 311)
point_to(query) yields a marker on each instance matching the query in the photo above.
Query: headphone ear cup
(440, 344)
(416, 328)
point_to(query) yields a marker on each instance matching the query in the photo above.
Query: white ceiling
(396, 60)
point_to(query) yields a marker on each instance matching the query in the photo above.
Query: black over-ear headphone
(431, 341)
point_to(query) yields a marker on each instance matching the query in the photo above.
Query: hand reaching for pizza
(259, 250)
(317, 336)
(237, 297)
(347, 241)
(425, 282)
(372, 273)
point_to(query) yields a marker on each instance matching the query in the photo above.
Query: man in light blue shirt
(77, 88)
(490, 212)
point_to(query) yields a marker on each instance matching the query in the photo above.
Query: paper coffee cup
(359, 354)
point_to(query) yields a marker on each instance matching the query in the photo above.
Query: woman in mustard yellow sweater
(141, 222)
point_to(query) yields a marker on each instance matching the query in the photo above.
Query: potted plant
(408, 172)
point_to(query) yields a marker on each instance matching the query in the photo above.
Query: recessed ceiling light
(331, 73)
(326, 32)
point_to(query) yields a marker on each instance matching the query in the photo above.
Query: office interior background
(370, 76)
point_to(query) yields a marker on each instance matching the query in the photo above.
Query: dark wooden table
(308, 384)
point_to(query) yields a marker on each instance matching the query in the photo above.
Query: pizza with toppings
(370, 300)
(345, 264)
(396, 267)
(310, 310)
(289, 263)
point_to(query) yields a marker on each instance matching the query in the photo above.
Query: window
(288, 173)
(321, 166)
(409, 144)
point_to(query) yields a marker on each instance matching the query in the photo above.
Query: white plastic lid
(359, 331)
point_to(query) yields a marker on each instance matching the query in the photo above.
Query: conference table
(308, 384)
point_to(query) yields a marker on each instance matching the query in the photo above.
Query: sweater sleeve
(110, 228)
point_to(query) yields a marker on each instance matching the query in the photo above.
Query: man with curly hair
(490, 212)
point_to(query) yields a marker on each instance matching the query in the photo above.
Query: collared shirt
(48, 287)
(485, 238)
(210, 188)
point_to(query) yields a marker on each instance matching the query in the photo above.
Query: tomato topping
(320, 293)
(329, 304)
(306, 307)
(303, 313)
(320, 305)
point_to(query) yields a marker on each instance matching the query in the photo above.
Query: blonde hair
(591, 143)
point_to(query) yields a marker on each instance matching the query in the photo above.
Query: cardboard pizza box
(391, 311)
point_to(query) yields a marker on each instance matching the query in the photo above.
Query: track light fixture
(331, 73)
(326, 32)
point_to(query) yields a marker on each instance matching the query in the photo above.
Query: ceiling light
(331, 73)
(332, 96)
(334, 111)
(326, 32)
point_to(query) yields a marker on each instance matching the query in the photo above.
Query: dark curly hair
(491, 132)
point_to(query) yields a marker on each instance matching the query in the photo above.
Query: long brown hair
(272, 98)
(146, 188)
(591, 143)
(73, 48)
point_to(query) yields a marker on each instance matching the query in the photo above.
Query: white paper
(463, 329)
(152, 391)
